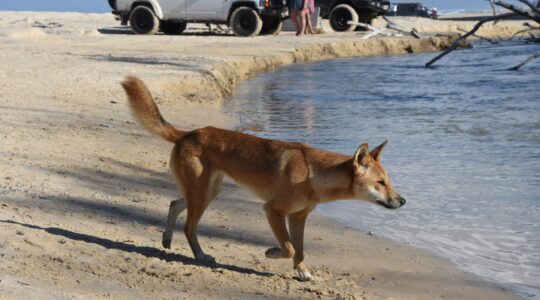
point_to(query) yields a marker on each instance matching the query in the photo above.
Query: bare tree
(531, 11)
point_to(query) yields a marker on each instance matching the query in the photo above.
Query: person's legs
(294, 19)
(309, 28)
(302, 22)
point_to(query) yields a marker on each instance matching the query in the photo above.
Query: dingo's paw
(166, 242)
(305, 276)
(274, 253)
(206, 259)
(303, 273)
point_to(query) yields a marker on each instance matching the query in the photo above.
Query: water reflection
(464, 147)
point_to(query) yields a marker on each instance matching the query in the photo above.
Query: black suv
(411, 10)
(341, 12)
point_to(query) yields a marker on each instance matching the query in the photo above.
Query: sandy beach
(84, 191)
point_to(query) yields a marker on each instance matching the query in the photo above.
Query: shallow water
(464, 147)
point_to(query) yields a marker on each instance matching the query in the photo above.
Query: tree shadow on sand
(118, 212)
(150, 252)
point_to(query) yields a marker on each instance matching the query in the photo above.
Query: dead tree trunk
(532, 13)
(459, 41)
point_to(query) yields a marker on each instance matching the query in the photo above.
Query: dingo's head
(371, 182)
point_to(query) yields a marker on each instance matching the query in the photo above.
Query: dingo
(291, 178)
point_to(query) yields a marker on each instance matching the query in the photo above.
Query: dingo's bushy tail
(146, 112)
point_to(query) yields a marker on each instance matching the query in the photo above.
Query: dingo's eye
(381, 182)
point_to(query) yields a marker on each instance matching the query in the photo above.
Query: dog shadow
(146, 251)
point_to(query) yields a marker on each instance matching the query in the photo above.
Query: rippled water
(464, 147)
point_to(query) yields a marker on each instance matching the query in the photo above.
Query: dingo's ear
(376, 153)
(361, 155)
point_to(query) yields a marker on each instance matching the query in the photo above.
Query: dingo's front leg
(277, 223)
(297, 222)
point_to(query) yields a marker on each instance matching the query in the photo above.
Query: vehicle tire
(143, 20)
(341, 15)
(171, 27)
(271, 26)
(245, 21)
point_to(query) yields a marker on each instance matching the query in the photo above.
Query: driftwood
(382, 31)
(493, 42)
(494, 10)
(528, 60)
(531, 28)
(396, 27)
(532, 13)
(460, 40)
(374, 31)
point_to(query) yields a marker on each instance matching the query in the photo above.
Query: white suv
(244, 17)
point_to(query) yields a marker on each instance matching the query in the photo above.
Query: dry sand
(84, 191)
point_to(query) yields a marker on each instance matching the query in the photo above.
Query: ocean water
(464, 147)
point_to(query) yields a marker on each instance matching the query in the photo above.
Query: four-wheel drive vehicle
(411, 10)
(341, 12)
(244, 17)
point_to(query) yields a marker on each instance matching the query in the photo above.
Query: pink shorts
(311, 6)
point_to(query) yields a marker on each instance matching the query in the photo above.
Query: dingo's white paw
(305, 276)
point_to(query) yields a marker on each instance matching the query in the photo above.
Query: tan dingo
(291, 178)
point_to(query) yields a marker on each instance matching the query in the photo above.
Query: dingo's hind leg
(196, 206)
(201, 186)
(176, 207)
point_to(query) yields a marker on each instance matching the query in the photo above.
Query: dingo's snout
(394, 203)
(402, 201)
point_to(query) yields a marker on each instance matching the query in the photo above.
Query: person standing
(298, 20)
(309, 12)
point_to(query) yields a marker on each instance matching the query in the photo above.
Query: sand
(84, 191)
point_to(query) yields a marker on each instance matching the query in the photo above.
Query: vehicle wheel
(245, 21)
(271, 26)
(143, 20)
(171, 27)
(341, 15)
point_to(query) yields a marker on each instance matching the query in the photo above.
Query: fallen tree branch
(530, 14)
(528, 60)
(458, 42)
(480, 37)
(375, 31)
(493, 7)
(533, 13)
(525, 31)
(413, 32)
(396, 27)
(533, 38)
(526, 24)
(530, 5)
(494, 11)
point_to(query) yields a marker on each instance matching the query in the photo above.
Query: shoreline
(84, 191)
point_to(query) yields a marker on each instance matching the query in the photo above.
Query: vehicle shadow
(149, 252)
(116, 30)
(124, 30)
